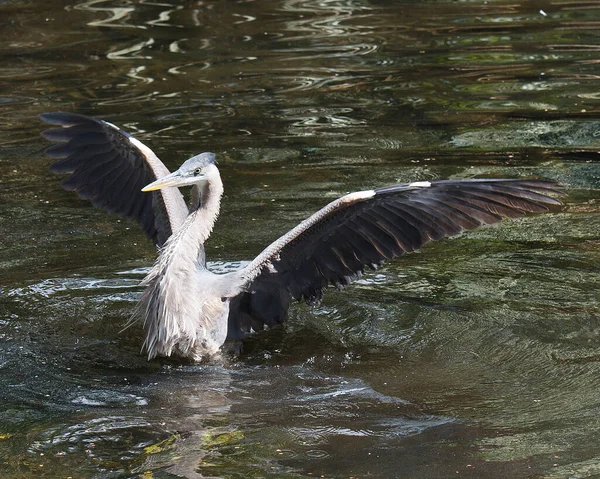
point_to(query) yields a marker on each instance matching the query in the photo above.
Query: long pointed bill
(174, 179)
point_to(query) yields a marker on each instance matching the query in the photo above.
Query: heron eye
(197, 171)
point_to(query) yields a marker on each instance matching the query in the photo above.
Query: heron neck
(185, 247)
(196, 197)
(204, 208)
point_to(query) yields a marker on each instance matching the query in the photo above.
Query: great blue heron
(190, 311)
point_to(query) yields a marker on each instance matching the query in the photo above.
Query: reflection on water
(477, 357)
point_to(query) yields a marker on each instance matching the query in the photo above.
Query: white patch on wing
(359, 195)
(140, 146)
(111, 125)
(172, 199)
(420, 184)
(157, 167)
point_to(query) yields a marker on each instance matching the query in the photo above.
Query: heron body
(190, 311)
(180, 278)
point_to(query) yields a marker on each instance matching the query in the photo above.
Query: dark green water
(477, 357)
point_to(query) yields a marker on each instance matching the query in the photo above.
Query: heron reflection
(190, 311)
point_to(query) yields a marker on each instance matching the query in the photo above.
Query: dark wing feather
(109, 167)
(335, 244)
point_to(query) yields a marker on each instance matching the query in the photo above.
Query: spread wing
(109, 167)
(363, 229)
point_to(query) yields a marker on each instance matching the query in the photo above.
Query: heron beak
(174, 179)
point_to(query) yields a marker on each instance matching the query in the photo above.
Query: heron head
(192, 172)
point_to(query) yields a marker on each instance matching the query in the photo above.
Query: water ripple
(124, 16)
(109, 398)
(86, 435)
(131, 52)
(329, 51)
(118, 15)
(164, 16)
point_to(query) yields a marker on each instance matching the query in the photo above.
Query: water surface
(476, 357)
